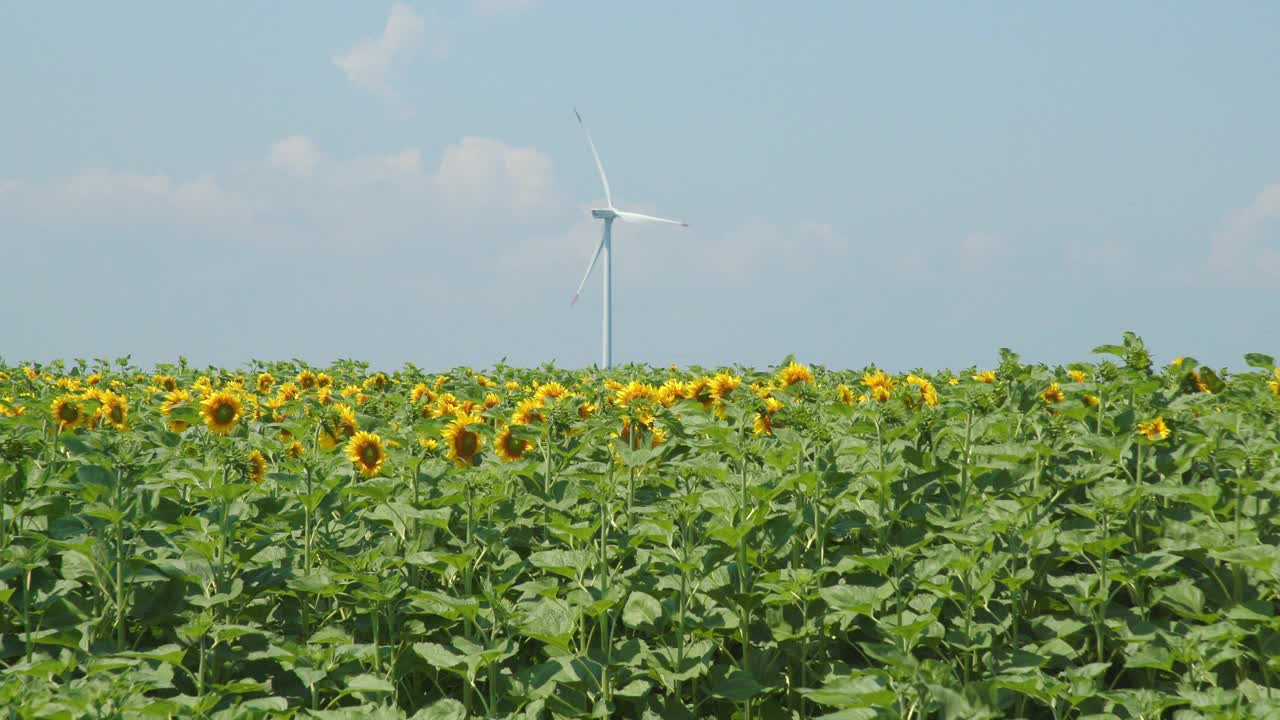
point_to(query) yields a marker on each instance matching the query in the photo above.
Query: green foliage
(1000, 554)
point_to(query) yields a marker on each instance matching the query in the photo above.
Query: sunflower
(1154, 429)
(509, 447)
(763, 423)
(93, 379)
(699, 389)
(635, 390)
(512, 386)
(1053, 394)
(323, 380)
(986, 376)
(294, 450)
(485, 382)
(553, 390)
(527, 412)
(644, 429)
(69, 413)
(171, 401)
(1199, 383)
(587, 409)
(491, 400)
(880, 384)
(306, 379)
(1077, 375)
(1089, 400)
(265, 383)
(428, 443)
(346, 420)
(221, 411)
(276, 405)
(953, 380)
(165, 381)
(794, 373)
(421, 391)
(928, 393)
(723, 385)
(844, 394)
(671, 392)
(446, 404)
(256, 467)
(115, 409)
(366, 452)
(377, 382)
(327, 440)
(288, 392)
(464, 444)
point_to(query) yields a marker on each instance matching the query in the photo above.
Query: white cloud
(761, 245)
(108, 190)
(1248, 240)
(406, 163)
(402, 168)
(299, 156)
(480, 173)
(204, 195)
(295, 155)
(369, 63)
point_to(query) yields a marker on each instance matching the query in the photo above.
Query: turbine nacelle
(604, 213)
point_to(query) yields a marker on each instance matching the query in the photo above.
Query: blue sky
(915, 186)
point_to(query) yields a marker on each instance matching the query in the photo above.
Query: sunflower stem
(119, 533)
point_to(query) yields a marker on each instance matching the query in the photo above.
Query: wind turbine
(608, 214)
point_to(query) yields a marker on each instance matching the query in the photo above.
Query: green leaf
(863, 690)
(735, 685)
(309, 676)
(1150, 656)
(1185, 599)
(446, 709)
(569, 563)
(641, 610)
(854, 599)
(439, 656)
(1258, 360)
(364, 682)
(550, 621)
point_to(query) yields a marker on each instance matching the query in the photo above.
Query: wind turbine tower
(607, 215)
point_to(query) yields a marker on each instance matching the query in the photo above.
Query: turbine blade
(638, 218)
(589, 269)
(608, 198)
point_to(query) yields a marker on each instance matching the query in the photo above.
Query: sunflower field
(1092, 540)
